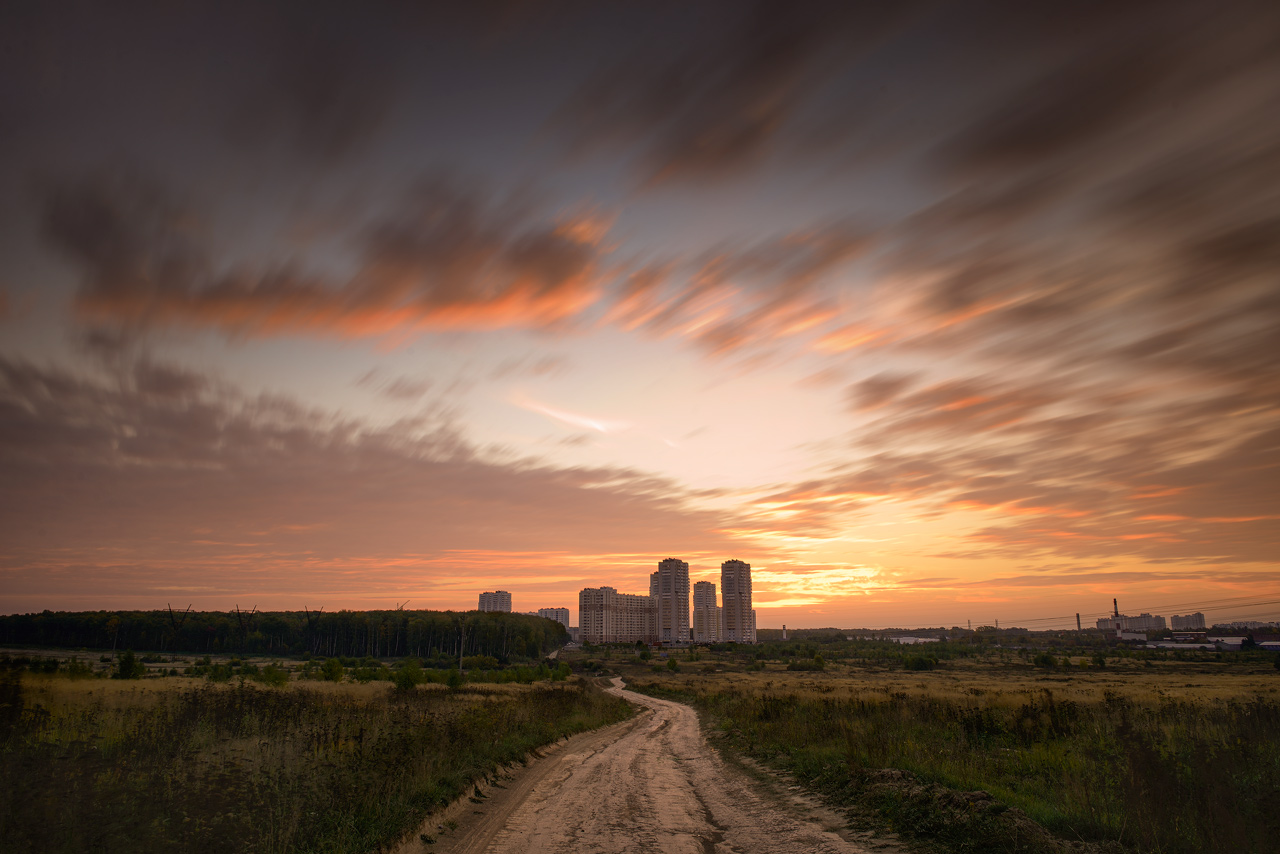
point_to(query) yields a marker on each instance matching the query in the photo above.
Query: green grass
(1171, 776)
(176, 765)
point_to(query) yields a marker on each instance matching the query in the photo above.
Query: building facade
(669, 589)
(1187, 622)
(735, 592)
(707, 615)
(607, 616)
(560, 615)
(497, 600)
(1144, 622)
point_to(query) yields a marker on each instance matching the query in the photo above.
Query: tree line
(393, 633)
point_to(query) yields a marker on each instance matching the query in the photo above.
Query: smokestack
(1077, 622)
(1115, 607)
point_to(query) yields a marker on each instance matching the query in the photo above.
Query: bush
(1045, 660)
(272, 675)
(129, 667)
(408, 676)
(331, 670)
(919, 662)
(219, 672)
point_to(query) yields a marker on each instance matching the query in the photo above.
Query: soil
(651, 784)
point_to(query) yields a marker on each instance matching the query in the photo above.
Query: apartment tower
(669, 588)
(497, 600)
(707, 616)
(607, 616)
(735, 591)
(560, 615)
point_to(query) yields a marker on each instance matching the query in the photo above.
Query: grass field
(180, 764)
(1154, 755)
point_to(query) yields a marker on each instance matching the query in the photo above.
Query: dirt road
(650, 785)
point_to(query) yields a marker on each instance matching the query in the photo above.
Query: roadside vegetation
(266, 757)
(1106, 748)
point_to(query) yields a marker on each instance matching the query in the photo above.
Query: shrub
(919, 662)
(408, 676)
(331, 670)
(129, 667)
(219, 672)
(272, 675)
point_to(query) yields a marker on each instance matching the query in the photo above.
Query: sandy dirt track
(652, 784)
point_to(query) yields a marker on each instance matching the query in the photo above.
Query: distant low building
(496, 600)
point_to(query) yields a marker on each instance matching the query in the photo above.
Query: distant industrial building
(497, 600)
(607, 616)
(708, 617)
(735, 590)
(1187, 622)
(560, 615)
(669, 589)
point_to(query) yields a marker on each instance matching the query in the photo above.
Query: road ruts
(658, 787)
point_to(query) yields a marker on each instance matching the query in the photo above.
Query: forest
(422, 633)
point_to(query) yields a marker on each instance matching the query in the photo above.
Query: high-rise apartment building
(560, 615)
(707, 615)
(607, 616)
(1144, 622)
(497, 600)
(669, 588)
(735, 592)
(1187, 622)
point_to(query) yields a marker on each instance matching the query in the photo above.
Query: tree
(331, 670)
(128, 667)
(408, 676)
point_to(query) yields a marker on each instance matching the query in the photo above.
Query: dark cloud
(166, 381)
(876, 391)
(746, 293)
(323, 94)
(171, 474)
(449, 257)
(711, 104)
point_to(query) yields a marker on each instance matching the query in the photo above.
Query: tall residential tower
(735, 590)
(669, 587)
(496, 600)
(707, 615)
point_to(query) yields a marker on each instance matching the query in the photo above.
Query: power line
(1231, 604)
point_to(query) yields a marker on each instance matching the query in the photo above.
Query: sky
(934, 313)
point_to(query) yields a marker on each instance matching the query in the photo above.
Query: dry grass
(180, 764)
(968, 678)
(1162, 756)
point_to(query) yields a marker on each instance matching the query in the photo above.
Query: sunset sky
(932, 312)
